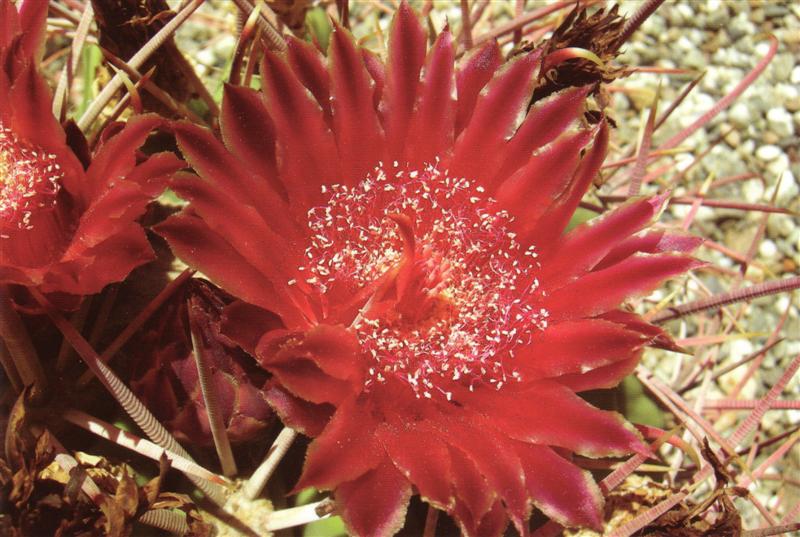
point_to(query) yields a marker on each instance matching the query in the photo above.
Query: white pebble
(768, 153)
(767, 249)
(780, 122)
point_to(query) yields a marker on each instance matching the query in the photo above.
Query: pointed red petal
(299, 125)
(656, 336)
(603, 377)
(606, 289)
(247, 232)
(224, 172)
(476, 72)
(545, 122)
(302, 416)
(586, 245)
(406, 54)
(528, 193)
(375, 504)
(377, 71)
(308, 64)
(649, 243)
(419, 453)
(9, 22)
(431, 131)
(560, 489)
(117, 156)
(553, 222)
(32, 20)
(588, 431)
(478, 150)
(358, 135)
(575, 347)
(203, 249)
(244, 324)
(86, 271)
(495, 459)
(248, 133)
(470, 486)
(495, 522)
(345, 450)
(153, 174)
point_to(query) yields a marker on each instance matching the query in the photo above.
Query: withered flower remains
(410, 233)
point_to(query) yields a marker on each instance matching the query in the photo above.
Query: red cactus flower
(409, 232)
(165, 372)
(63, 228)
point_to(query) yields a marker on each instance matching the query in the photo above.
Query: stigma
(446, 290)
(30, 179)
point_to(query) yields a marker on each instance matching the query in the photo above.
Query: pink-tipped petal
(649, 243)
(375, 504)
(606, 289)
(248, 133)
(431, 131)
(545, 122)
(477, 70)
(586, 245)
(307, 418)
(471, 488)
(575, 347)
(560, 489)
(359, 137)
(299, 124)
(309, 66)
(421, 455)
(346, 449)
(406, 55)
(479, 148)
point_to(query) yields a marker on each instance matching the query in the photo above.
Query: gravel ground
(725, 39)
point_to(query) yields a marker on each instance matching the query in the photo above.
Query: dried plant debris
(44, 491)
(596, 34)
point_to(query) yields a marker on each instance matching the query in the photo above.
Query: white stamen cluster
(474, 283)
(30, 179)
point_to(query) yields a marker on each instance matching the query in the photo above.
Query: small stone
(753, 190)
(781, 67)
(793, 104)
(788, 188)
(768, 153)
(767, 249)
(740, 26)
(770, 138)
(739, 115)
(780, 122)
(795, 76)
(780, 225)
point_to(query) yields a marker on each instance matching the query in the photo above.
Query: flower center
(448, 292)
(30, 180)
